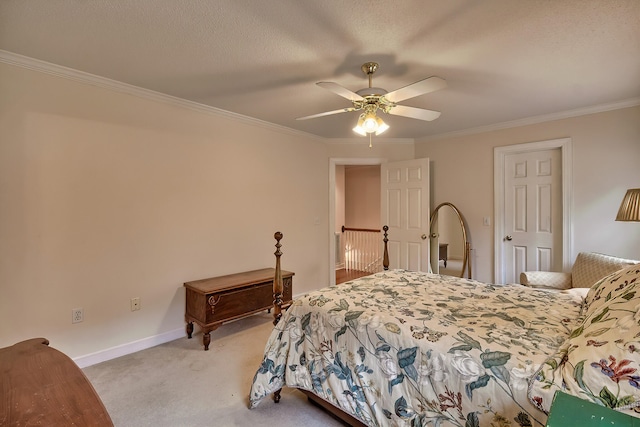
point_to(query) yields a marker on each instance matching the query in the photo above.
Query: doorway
(335, 202)
(527, 235)
(403, 206)
(358, 238)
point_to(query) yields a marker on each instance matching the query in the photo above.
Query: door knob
(423, 237)
(509, 238)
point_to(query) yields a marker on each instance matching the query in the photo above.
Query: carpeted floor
(179, 384)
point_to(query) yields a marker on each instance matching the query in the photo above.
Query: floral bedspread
(600, 360)
(405, 348)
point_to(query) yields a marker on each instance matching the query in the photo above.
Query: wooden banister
(368, 230)
(385, 257)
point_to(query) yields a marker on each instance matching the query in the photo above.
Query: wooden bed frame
(277, 314)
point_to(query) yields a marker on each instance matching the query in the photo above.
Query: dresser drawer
(231, 304)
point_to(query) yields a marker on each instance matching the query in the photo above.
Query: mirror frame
(466, 259)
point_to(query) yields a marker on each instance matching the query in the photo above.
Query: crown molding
(105, 83)
(358, 140)
(601, 108)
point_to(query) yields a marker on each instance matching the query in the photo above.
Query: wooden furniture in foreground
(277, 288)
(42, 386)
(212, 302)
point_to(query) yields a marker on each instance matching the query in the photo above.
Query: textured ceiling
(503, 60)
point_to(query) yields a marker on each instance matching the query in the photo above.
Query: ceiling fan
(372, 99)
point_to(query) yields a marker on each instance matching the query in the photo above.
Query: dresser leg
(206, 340)
(189, 329)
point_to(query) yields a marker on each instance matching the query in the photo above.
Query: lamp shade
(382, 126)
(369, 123)
(359, 129)
(630, 206)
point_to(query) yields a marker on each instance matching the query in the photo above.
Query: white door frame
(333, 162)
(499, 154)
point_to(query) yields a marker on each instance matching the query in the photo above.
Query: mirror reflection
(449, 243)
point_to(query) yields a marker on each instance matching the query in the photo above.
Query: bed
(411, 348)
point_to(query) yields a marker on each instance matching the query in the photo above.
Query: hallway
(343, 275)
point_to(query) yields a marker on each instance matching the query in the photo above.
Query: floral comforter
(410, 348)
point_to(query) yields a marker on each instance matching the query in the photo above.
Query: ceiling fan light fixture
(370, 123)
(382, 126)
(372, 99)
(359, 129)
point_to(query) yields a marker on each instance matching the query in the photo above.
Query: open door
(405, 209)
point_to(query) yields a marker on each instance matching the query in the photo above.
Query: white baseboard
(143, 344)
(124, 349)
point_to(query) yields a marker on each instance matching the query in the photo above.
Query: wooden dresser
(214, 301)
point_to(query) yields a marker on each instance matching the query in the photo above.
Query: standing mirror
(449, 245)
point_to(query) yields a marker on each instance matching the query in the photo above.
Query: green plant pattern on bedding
(409, 348)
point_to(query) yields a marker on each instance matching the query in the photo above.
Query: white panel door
(405, 209)
(533, 213)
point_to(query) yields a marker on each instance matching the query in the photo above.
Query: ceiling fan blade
(414, 113)
(430, 84)
(327, 113)
(341, 90)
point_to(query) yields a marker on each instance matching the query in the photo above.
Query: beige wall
(362, 196)
(106, 196)
(383, 149)
(606, 155)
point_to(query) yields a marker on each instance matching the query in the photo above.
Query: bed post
(385, 258)
(277, 295)
(468, 248)
(277, 282)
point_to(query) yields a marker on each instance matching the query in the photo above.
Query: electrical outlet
(135, 304)
(77, 315)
